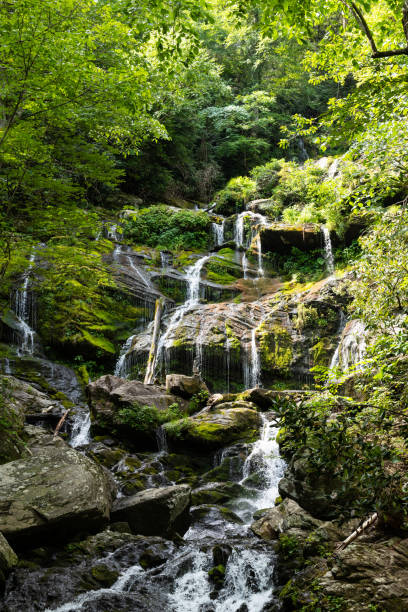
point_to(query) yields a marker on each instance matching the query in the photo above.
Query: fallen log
(151, 362)
(360, 529)
(61, 422)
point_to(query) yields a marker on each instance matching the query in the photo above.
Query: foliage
(160, 226)
(146, 419)
(235, 195)
(301, 266)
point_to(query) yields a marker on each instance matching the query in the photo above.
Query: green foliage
(160, 226)
(198, 401)
(301, 266)
(146, 419)
(266, 177)
(235, 195)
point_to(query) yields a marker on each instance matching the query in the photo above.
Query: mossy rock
(103, 575)
(276, 347)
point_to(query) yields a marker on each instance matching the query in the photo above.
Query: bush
(160, 226)
(266, 177)
(237, 193)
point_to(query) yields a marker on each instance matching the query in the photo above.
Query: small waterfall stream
(328, 251)
(218, 231)
(23, 310)
(193, 276)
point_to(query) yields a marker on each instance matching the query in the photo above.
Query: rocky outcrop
(282, 237)
(154, 511)
(184, 386)
(54, 493)
(215, 427)
(110, 395)
(8, 559)
(293, 333)
(321, 493)
(81, 569)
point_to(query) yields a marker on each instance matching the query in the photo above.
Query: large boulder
(282, 237)
(216, 427)
(184, 386)
(55, 492)
(288, 515)
(110, 395)
(8, 559)
(154, 511)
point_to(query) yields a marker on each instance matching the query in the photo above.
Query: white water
(249, 573)
(121, 364)
(239, 229)
(23, 313)
(81, 428)
(351, 349)
(255, 377)
(328, 251)
(122, 585)
(218, 231)
(259, 252)
(193, 276)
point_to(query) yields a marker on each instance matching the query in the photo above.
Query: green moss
(102, 574)
(275, 345)
(99, 342)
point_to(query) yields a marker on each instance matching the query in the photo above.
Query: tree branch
(376, 54)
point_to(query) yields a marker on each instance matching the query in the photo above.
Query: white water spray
(328, 251)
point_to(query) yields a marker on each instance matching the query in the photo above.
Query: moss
(321, 352)
(275, 347)
(102, 574)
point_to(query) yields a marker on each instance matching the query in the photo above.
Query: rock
(184, 386)
(288, 515)
(282, 237)
(369, 575)
(216, 427)
(56, 492)
(154, 511)
(217, 493)
(8, 559)
(83, 567)
(322, 494)
(110, 394)
(11, 422)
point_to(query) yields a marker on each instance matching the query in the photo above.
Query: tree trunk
(151, 362)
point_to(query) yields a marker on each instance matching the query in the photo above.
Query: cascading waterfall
(239, 229)
(121, 367)
(351, 349)
(22, 310)
(81, 428)
(193, 276)
(328, 251)
(255, 376)
(218, 231)
(249, 572)
(259, 252)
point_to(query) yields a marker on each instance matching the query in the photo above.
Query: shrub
(160, 226)
(266, 177)
(237, 193)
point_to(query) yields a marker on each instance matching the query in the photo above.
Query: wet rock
(80, 570)
(154, 511)
(216, 427)
(217, 493)
(55, 492)
(11, 422)
(184, 386)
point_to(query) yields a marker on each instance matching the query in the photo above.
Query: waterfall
(239, 229)
(81, 428)
(259, 251)
(249, 582)
(335, 359)
(23, 312)
(146, 281)
(166, 260)
(7, 368)
(161, 439)
(255, 375)
(121, 364)
(218, 231)
(245, 265)
(193, 276)
(328, 251)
